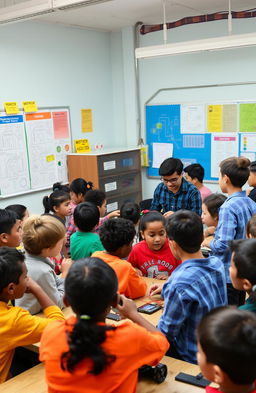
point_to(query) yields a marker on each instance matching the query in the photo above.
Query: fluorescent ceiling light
(218, 43)
(67, 4)
(26, 10)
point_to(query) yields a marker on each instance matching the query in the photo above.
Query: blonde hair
(41, 232)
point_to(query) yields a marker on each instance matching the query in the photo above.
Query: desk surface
(33, 380)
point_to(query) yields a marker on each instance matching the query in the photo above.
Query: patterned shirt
(234, 214)
(194, 288)
(188, 197)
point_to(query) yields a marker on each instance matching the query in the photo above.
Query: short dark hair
(60, 187)
(130, 211)
(169, 166)
(151, 216)
(252, 166)
(97, 197)
(213, 203)
(10, 266)
(20, 210)
(86, 216)
(228, 339)
(251, 226)
(7, 220)
(237, 169)
(80, 186)
(116, 233)
(195, 171)
(186, 229)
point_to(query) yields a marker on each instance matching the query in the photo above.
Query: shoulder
(189, 187)
(159, 188)
(139, 246)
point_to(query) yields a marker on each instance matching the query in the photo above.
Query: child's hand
(139, 272)
(168, 214)
(162, 277)
(32, 286)
(115, 213)
(155, 289)
(206, 242)
(209, 231)
(126, 307)
(65, 266)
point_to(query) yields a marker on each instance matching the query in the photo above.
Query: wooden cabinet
(117, 172)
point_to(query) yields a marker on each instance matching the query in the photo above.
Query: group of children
(110, 254)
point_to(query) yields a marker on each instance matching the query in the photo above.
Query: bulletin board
(204, 133)
(33, 149)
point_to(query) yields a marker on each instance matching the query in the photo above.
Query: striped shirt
(194, 288)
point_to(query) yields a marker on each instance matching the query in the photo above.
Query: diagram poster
(192, 119)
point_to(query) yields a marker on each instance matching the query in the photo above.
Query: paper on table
(222, 146)
(161, 151)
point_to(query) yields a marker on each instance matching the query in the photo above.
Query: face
(206, 368)
(237, 282)
(14, 237)
(155, 235)
(64, 209)
(103, 208)
(76, 198)
(222, 183)
(207, 219)
(54, 251)
(252, 179)
(172, 182)
(20, 288)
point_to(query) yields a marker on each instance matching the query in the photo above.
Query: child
(252, 181)
(195, 287)
(152, 257)
(84, 353)
(210, 212)
(10, 229)
(59, 204)
(194, 173)
(21, 212)
(116, 237)
(61, 187)
(233, 216)
(17, 326)
(84, 242)
(131, 211)
(43, 237)
(243, 270)
(251, 227)
(227, 350)
(98, 198)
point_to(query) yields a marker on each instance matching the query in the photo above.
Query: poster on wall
(222, 145)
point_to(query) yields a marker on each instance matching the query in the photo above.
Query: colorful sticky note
(50, 158)
(29, 106)
(11, 108)
(86, 117)
(82, 146)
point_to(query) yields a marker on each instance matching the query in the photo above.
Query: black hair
(130, 211)
(56, 198)
(195, 171)
(116, 233)
(228, 339)
(186, 229)
(86, 216)
(245, 260)
(213, 203)
(7, 220)
(169, 166)
(10, 266)
(237, 169)
(97, 197)
(252, 166)
(60, 187)
(151, 216)
(80, 186)
(95, 282)
(251, 227)
(20, 210)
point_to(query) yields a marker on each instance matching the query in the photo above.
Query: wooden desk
(33, 380)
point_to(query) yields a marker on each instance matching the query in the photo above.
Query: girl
(210, 212)
(21, 212)
(84, 354)
(251, 228)
(243, 270)
(59, 204)
(152, 257)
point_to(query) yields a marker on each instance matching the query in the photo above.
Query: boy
(194, 173)
(10, 229)
(84, 242)
(116, 237)
(194, 288)
(17, 326)
(252, 181)
(227, 350)
(234, 214)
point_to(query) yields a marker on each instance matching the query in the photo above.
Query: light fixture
(209, 44)
(26, 10)
(68, 4)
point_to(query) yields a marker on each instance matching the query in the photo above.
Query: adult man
(175, 193)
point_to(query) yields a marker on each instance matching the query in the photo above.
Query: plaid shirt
(194, 288)
(234, 214)
(188, 197)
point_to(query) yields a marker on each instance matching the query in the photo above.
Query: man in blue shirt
(195, 287)
(175, 193)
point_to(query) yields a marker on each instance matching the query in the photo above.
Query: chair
(145, 204)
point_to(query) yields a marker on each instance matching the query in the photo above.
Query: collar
(238, 194)
(39, 258)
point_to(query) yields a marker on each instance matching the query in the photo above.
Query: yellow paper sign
(214, 118)
(82, 146)
(29, 106)
(86, 117)
(144, 155)
(50, 158)
(11, 108)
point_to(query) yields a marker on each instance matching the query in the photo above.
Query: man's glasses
(170, 181)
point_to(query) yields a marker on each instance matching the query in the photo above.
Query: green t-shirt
(249, 305)
(84, 244)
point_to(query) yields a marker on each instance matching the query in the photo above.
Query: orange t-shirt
(129, 282)
(132, 345)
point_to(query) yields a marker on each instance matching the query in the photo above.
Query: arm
(53, 286)
(70, 230)
(136, 287)
(225, 231)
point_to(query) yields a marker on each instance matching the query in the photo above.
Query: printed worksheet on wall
(62, 142)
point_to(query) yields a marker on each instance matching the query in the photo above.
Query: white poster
(192, 119)
(222, 146)
(161, 151)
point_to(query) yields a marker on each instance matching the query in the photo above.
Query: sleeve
(136, 287)
(70, 230)
(28, 328)
(195, 202)
(132, 258)
(101, 222)
(155, 205)
(53, 286)
(96, 246)
(225, 231)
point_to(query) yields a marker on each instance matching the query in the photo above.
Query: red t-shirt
(210, 389)
(152, 263)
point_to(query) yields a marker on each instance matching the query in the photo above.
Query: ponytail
(46, 203)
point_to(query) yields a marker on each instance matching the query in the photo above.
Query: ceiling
(115, 14)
